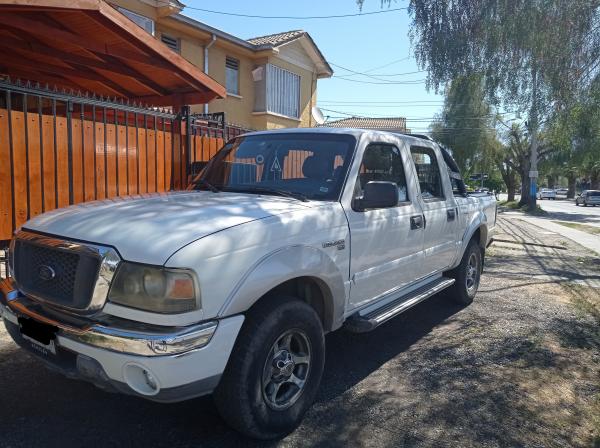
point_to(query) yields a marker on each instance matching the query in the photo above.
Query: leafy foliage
(465, 124)
(529, 51)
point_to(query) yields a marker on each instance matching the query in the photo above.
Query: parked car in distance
(546, 193)
(230, 287)
(588, 197)
(562, 191)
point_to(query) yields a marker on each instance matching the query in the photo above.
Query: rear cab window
(428, 173)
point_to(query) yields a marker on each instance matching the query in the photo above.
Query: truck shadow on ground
(40, 407)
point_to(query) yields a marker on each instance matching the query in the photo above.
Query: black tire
(241, 396)
(460, 292)
(584, 204)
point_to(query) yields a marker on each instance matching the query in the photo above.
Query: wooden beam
(138, 76)
(14, 59)
(188, 72)
(49, 33)
(42, 78)
(101, 61)
(176, 99)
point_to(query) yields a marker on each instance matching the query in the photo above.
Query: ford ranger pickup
(230, 286)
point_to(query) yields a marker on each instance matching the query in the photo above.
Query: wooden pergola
(89, 46)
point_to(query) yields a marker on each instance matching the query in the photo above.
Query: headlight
(156, 289)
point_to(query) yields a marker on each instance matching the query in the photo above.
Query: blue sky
(377, 44)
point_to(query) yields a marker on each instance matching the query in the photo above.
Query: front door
(386, 247)
(439, 209)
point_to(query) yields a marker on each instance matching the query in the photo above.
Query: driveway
(519, 367)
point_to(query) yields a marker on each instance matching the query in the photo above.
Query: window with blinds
(140, 20)
(283, 92)
(171, 42)
(232, 76)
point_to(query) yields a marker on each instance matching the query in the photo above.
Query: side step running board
(367, 322)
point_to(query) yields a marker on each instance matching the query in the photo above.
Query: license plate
(42, 337)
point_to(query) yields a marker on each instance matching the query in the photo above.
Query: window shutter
(233, 64)
(232, 75)
(283, 92)
(171, 42)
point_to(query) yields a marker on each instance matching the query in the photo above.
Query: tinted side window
(382, 163)
(458, 186)
(428, 173)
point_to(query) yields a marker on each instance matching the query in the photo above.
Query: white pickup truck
(229, 287)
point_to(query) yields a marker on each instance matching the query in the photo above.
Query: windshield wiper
(286, 193)
(208, 185)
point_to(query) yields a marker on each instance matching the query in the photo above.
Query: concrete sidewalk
(587, 240)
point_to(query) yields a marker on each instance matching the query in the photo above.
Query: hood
(150, 228)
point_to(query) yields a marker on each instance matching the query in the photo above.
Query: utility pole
(533, 130)
(533, 172)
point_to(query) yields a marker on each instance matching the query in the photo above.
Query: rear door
(386, 244)
(439, 209)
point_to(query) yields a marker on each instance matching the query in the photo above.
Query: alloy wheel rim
(286, 370)
(472, 277)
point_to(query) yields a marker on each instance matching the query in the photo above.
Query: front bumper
(182, 362)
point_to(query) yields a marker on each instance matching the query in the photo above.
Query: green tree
(535, 55)
(465, 124)
(575, 132)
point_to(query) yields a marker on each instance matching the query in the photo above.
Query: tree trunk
(525, 187)
(511, 191)
(595, 180)
(571, 179)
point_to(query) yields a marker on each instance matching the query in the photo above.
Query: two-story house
(271, 80)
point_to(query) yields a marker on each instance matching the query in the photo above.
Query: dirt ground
(519, 367)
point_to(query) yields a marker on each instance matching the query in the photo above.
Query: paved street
(519, 367)
(565, 209)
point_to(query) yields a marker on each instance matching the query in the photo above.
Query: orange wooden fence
(134, 154)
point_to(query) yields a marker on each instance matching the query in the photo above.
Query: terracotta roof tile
(391, 123)
(276, 39)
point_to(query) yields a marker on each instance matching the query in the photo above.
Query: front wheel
(275, 369)
(467, 275)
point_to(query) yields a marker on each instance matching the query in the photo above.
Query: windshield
(305, 166)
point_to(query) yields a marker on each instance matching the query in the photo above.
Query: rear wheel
(274, 371)
(467, 275)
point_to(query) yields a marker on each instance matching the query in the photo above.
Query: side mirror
(378, 194)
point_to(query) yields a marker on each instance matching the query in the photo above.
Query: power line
(387, 65)
(381, 105)
(357, 73)
(386, 83)
(338, 16)
(381, 102)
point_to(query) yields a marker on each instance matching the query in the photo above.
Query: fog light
(141, 380)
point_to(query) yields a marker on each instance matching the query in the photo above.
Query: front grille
(56, 275)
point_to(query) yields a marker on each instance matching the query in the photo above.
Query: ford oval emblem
(46, 273)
